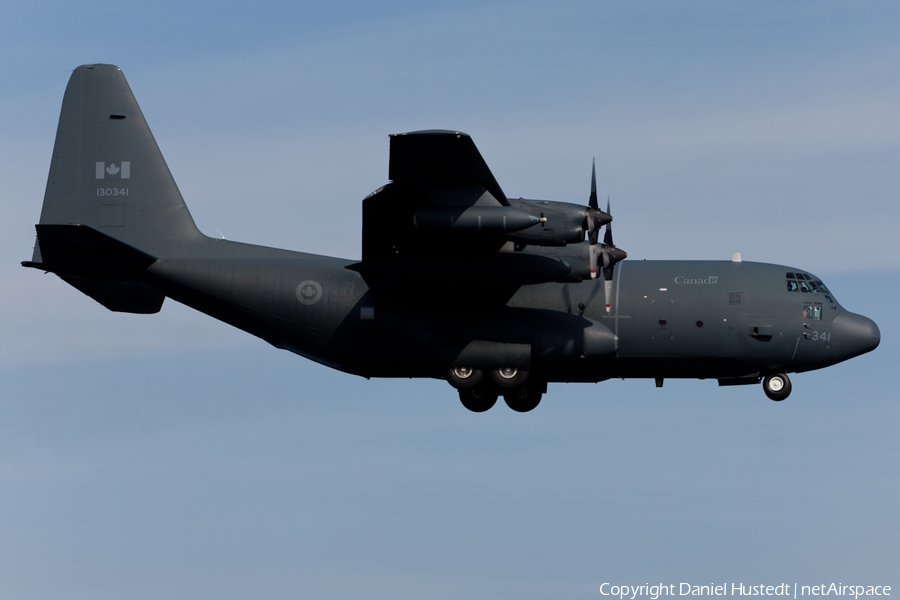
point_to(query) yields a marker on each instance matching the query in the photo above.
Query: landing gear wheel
(478, 398)
(509, 377)
(777, 387)
(524, 398)
(464, 377)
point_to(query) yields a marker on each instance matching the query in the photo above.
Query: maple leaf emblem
(112, 169)
(308, 292)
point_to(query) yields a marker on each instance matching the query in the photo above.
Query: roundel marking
(309, 292)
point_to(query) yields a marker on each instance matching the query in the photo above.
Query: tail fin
(107, 172)
(111, 207)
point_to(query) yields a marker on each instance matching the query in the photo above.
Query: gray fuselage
(693, 319)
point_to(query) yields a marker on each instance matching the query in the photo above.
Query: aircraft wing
(444, 219)
(440, 159)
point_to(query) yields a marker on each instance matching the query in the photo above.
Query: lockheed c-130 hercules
(497, 295)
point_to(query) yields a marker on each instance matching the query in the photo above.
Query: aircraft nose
(853, 335)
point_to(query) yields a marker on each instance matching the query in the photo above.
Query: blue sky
(172, 456)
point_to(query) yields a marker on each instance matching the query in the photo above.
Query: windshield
(805, 284)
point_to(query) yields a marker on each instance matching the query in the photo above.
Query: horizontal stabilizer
(119, 295)
(97, 265)
(82, 250)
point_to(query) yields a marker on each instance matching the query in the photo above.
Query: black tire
(524, 398)
(509, 377)
(777, 387)
(478, 398)
(464, 377)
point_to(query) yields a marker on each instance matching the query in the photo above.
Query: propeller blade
(611, 255)
(607, 238)
(607, 290)
(593, 222)
(594, 219)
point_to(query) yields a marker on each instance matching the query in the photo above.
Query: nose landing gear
(777, 387)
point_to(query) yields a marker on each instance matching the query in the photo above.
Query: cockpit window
(800, 282)
(824, 290)
(812, 310)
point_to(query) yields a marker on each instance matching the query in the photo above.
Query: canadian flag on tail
(122, 170)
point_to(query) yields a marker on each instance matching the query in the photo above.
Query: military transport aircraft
(497, 295)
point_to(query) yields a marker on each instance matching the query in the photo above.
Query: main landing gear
(479, 393)
(777, 387)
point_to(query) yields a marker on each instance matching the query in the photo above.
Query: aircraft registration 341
(550, 306)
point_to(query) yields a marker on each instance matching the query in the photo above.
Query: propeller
(611, 255)
(593, 222)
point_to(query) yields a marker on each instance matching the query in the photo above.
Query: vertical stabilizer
(107, 172)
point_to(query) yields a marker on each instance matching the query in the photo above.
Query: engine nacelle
(494, 220)
(561, 222)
